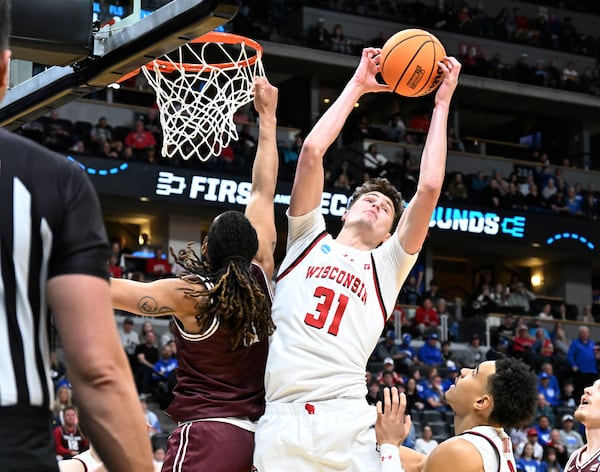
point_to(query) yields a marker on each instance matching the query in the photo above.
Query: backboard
(128, 34)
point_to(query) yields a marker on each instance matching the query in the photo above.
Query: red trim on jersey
(378, 290)
(492, 443)
(302, 255)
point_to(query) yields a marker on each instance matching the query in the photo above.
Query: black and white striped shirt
(50, 224)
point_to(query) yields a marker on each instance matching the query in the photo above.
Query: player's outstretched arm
(414, 223)
(99, 371)
(260, 209)
(162, 297)
(309, 179)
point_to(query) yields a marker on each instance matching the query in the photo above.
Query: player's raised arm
(414, 223)
(309, 179)
(260, 209)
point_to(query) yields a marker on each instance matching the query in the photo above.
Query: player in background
(586, 458)
(487, 400)
(54, 254)
(334, 296)
(221, 308)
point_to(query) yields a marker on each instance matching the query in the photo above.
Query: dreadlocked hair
(236, 299)
(384, 186)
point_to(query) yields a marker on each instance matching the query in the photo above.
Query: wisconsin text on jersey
(340, 276)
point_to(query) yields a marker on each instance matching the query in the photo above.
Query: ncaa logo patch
(325, 249)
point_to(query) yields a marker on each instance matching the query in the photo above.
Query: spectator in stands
(434, 395)
(389, 367)
(146, 355)
(129, 340)
(513, 199)
(520, 297)
(406, 355)
(483, 303)
(68, 439)
(426, 443)
(551, 394)
(544, 428)
(567, 397)
(414, 401)
(573, 202)
(478, 183)
(114, 268)
(374, 162)
(507, 329)
(158, 266)
(527, 461)
(433, 292)
(582, 359)
(570, 77)
(571, 438)
(387, 347)
(536, 325)
(457, 190)
(318, 37)
(64, 398)
(558, 202)
(449, 358)
(100, 133)
(549, 189)
(146, 328)
(57, 368)
(158, 458)
(373, 392)
(426, 318)
(409, 294)
(533, 201)
(532, 441)
(163, 376)
(150, 417)
(396, 129)
(473, 354)
(57, 133)
(522, 344)
(140, 139)
(339, 42)
(590, 207)
(429, 353)
(492, 196)
(500, 297)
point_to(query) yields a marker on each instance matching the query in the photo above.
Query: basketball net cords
(196, 108)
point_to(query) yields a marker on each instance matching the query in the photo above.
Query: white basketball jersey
(495, 447)
(331, 303)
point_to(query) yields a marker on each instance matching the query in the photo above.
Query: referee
(54, 253)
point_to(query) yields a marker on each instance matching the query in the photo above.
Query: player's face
(374, 210)
(588, 411)
(469, 386)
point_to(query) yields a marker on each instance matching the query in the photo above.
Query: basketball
(409, 62)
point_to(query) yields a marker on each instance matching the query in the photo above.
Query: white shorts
(325, 436)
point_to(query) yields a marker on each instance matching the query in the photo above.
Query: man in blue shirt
(582, 359)
(429, 353)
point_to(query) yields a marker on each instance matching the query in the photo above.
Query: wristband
(390, 458)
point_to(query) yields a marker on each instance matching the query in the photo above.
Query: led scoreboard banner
(185, 186)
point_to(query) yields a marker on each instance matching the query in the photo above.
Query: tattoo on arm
(149, 306)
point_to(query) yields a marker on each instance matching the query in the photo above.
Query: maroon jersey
(214, 381)
(576, 464)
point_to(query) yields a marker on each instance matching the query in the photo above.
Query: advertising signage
(182, 186)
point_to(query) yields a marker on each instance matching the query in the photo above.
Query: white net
(198, 89)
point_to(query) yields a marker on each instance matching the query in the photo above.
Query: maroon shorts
(209, 445)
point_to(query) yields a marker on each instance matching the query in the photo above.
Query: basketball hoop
(199, 87)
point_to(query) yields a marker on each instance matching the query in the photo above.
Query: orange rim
(211, 37)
